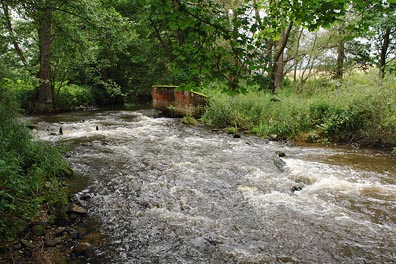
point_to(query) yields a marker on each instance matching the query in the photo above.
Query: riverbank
(360, 111)
(35, 211)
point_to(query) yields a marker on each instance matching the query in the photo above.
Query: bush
(259, 112)
(73, 95)
(360, 108)
(32, 173)
(23, 91)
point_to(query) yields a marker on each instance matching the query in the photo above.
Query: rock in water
(51, 242)
(73, 208)
(84, 249)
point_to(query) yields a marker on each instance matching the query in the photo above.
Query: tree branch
(11, 31)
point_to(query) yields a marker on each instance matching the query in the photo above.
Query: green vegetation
(276, 67)
(32, 174)
(361, 109)
(111, 52)
(189, 120)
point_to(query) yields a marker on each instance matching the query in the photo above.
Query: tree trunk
(44, 96)
(340, 58)
(276, 73)
(384, 52)
(279, 73)
(296, 55)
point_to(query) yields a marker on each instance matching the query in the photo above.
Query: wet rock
(286, 259)
(296, 188)
(214, 241)
(274, 137)
(52, 242)
(85, 196)
(59, 231)
(280, 154)
(27, 243)
(84, 249)
(236, 136)
(95, 238)
(279, 163)
(76, 209)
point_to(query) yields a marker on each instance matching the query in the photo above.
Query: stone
(74, 208)
(84, 249)
(28, 244)
(52, 242)
(237, 136)
(296, 188)
(95, 238)
(59, 230)
(280, 153)
(85, 196)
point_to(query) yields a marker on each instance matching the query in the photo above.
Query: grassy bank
(32, 174)
(360, 109)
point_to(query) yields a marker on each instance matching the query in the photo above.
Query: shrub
(359, 108)
(31, 173)
(73, 95)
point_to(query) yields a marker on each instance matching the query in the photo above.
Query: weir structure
(172, 101)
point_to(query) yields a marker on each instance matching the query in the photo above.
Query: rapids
(164, 192)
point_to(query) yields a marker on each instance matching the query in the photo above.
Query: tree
(90, 21)
(377, 29)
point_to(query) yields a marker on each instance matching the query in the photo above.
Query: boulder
(76, 209)
(84, 249)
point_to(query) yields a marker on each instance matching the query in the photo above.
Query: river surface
(164, 192)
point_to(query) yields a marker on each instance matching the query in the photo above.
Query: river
(164, 192)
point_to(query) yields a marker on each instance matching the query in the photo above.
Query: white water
(168, 193)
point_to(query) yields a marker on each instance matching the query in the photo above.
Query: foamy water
(164, 192)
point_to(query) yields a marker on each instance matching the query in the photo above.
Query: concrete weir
(178, 103)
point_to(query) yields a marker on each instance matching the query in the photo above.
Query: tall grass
(32, 173)
(361, 109)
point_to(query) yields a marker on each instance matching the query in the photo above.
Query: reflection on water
(164, 192)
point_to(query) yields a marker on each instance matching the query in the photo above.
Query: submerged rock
(84, 249)
(28, 244)
(52, 242)
(59, 231)
(74, 208)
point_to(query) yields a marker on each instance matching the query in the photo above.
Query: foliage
(73, 95)
(189, 120)
(359, 109)
(258, 112)
(32, 173)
